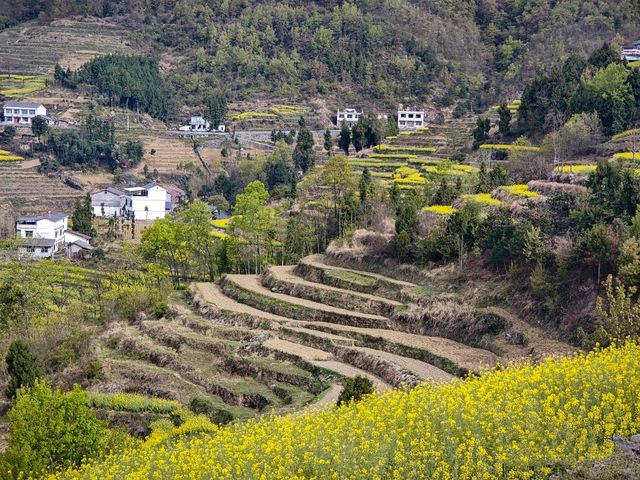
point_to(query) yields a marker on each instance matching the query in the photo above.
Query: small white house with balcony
(22, 113)
(41, 236)
(349, 116)
(631, 52)
(145, 203)
(410, 119)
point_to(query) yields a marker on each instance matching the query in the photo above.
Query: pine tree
(504, 124)
(82, 217)
(303, 153)
(328, 141)
(344, 139)
(354, 389)
(357, 137)
(22, 366)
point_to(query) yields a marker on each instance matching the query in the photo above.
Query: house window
(31, 249)
(25, 111)
(411, 115)
(28, 233)
(403, 115)
(32, 112)
(44, 250)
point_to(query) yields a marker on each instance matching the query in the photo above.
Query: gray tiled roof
(38, 242)
(54, 217)
(16, 104)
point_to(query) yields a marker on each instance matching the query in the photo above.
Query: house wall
(112, 204)
(23, 116)
(45, 229)
(410, 119)
(36, 253)
(350, 117)
(154, 202)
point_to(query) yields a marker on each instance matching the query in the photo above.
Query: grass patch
(21, 85)
(130, 402)
(514, 148)
(351, 277)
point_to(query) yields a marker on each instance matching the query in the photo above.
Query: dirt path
(422, 370)
(330, 397)
(322, 359)
(467, 357)
(213, 294)
(318, 261)
(286, 274)
(540, 343)
(253, 284)
(463, 355)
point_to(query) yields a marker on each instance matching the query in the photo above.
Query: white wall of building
(145, 207)
(23, 115)
(410, 119)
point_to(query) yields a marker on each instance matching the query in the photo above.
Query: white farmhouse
(107, 202)
(145, 203)
(42, 236)
(631, 52)
(23, 113)
(349, 116)
(410, 119)
(199, 124)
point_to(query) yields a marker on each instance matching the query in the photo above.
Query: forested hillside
(381, 51)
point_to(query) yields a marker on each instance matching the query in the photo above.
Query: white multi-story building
(107, 202)
(349, 116)
(410, 119)
(22, 113)
(631, 52)
(145, 203)
(42, 236)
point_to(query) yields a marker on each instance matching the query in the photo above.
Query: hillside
(363, 53)
(517, 423)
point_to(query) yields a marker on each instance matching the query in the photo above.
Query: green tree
(344, 138)
(618, 316)
(82, 217)
(484, 185)
(357, 137)
(39, 126)
(328, 142)
(355, 389)
(464, 224)
(216, 110)
(279, 167)
(53, 430)
(303, 154)
(403, 244)
(596, 246)
(338, 176)
(253, 220)
(481, 132)
(22, 367)
(504, 124)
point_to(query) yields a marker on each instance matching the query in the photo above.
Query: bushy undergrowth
(514, 423)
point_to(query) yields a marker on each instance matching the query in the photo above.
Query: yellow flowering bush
(409, 176)
(130, 402)
(627, 156)
(515, 423)
(289, 110)
(6, 156)
(520, 190)
(482, 198)
(252, 115)
(409, 150)
(516, 148)
(440, 209)
(222, 223)
(21, 85)
(626, 133)
(582, 168)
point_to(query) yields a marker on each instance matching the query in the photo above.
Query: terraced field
(29, 192)
(168, 153)
(34, 48)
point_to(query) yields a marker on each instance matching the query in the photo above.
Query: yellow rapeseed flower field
(513, 423)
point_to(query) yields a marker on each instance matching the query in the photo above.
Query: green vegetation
(355, 389)
(12, 85)
(22, 367)
(351, 277)
(129, 402)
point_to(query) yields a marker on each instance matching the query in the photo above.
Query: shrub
(355, 389)
(205, 407)
(22, 367)
(520, 190)
(52, 430)
(483, 199)
(440, 209)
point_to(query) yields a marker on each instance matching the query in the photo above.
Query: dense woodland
(471, 53)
